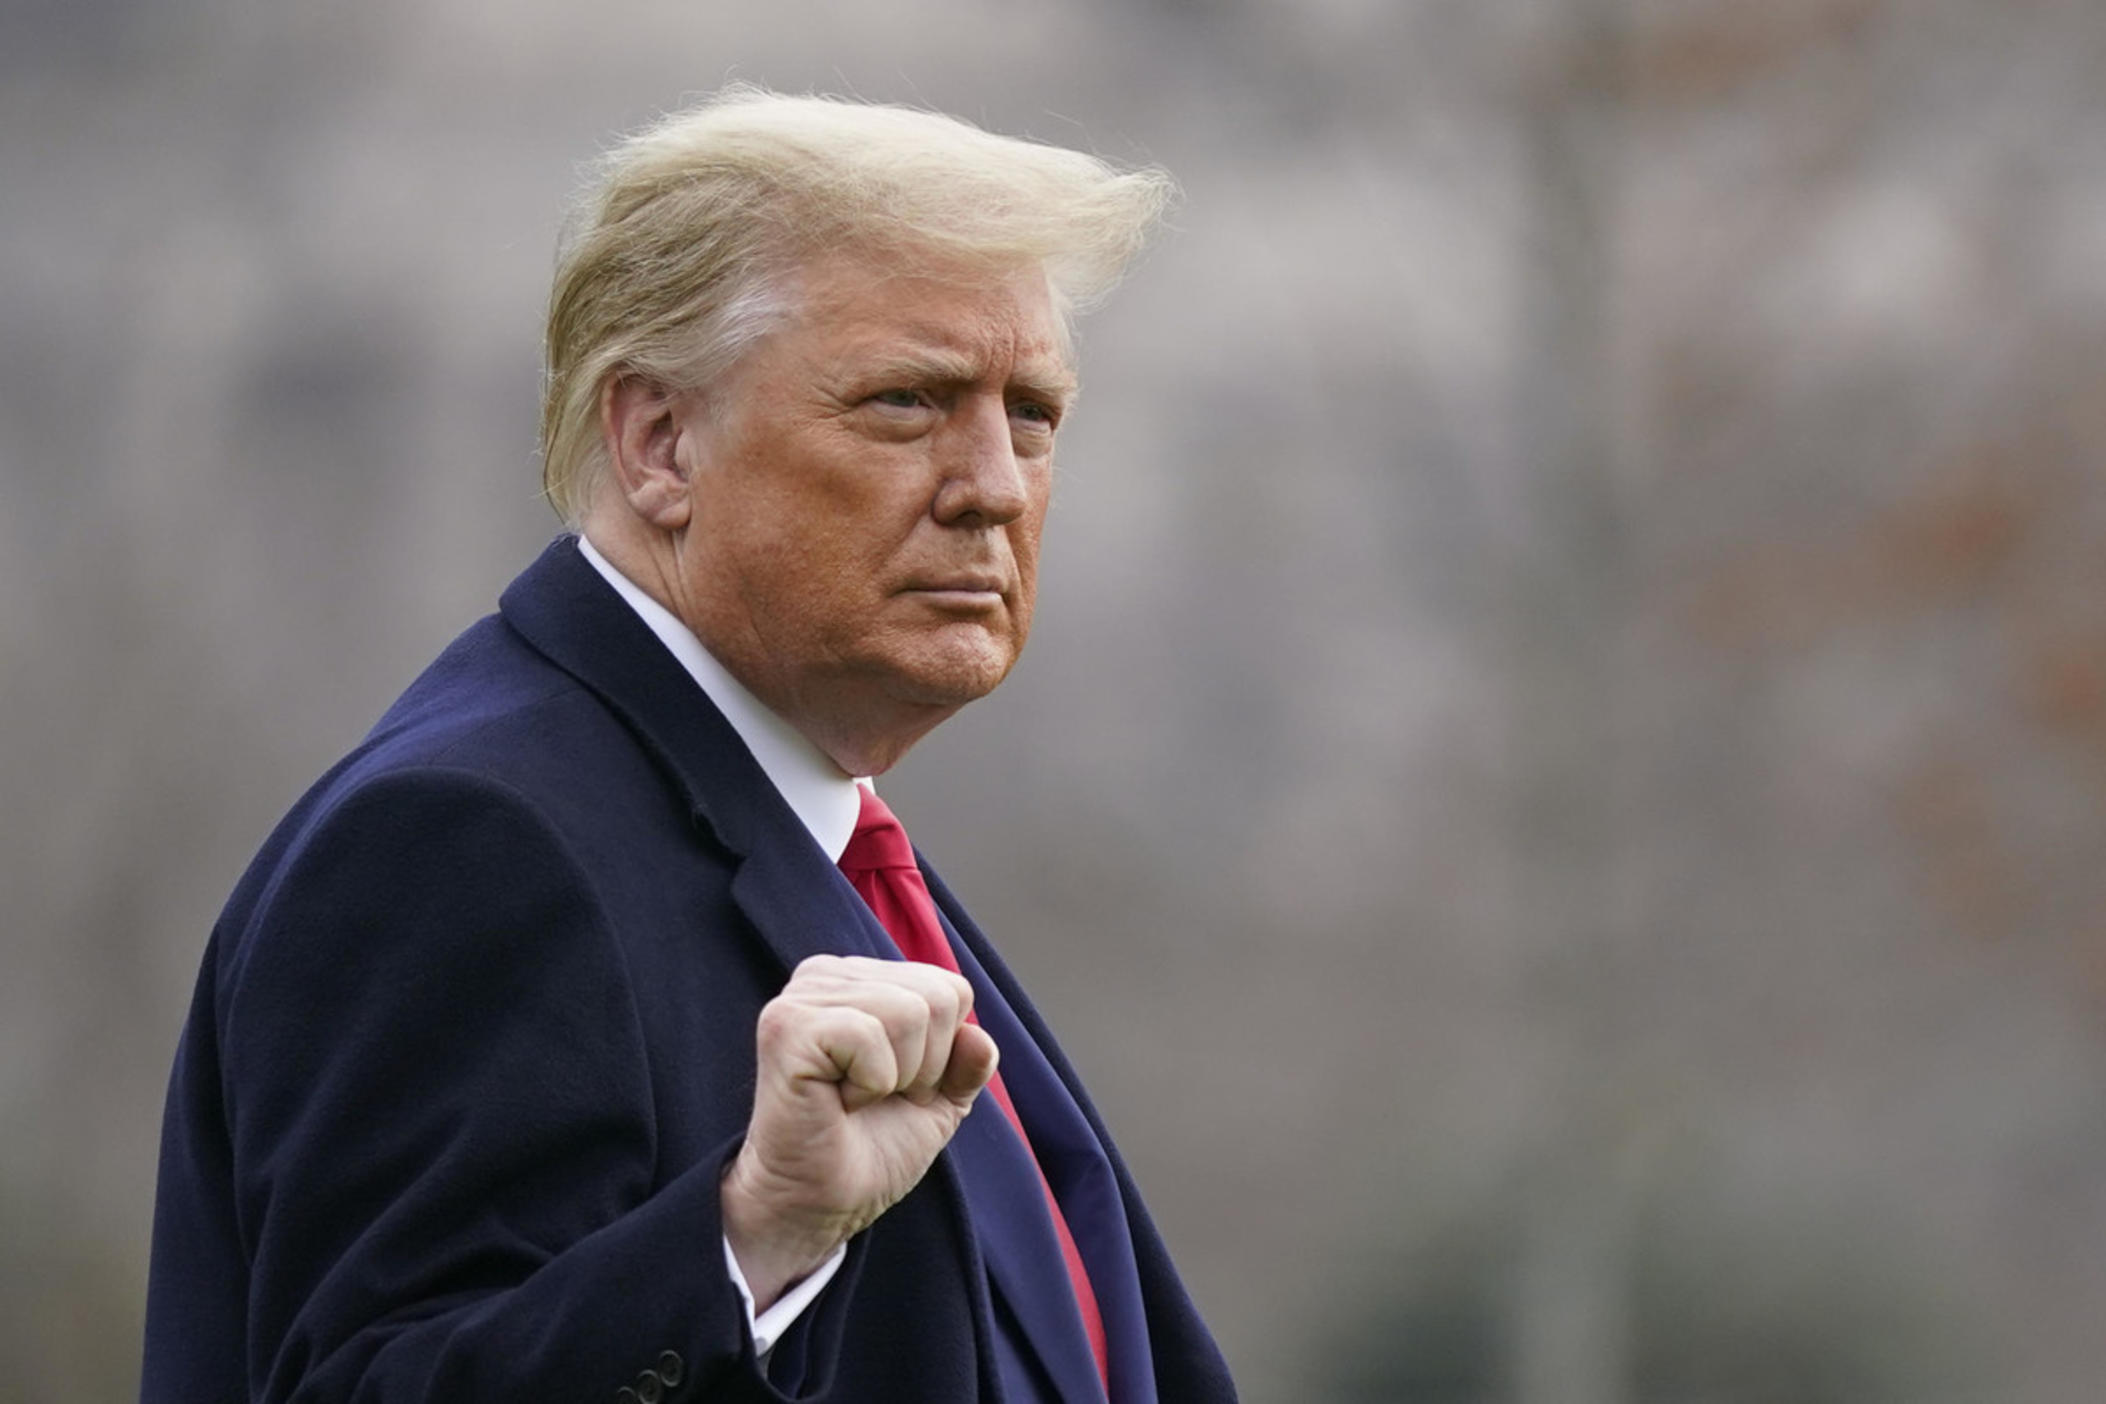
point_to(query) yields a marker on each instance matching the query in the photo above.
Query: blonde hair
(683, 250)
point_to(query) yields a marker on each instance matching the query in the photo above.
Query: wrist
(776, 1246)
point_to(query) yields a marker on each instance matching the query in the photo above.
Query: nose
(984, 482)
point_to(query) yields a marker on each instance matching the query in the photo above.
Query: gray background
(1559, 794)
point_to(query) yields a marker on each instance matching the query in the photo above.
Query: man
(545, 1052)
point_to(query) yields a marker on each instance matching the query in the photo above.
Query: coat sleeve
(440, 1117)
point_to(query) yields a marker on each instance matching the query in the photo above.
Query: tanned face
(867, 490)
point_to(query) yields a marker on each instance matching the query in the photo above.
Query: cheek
(870, 514)
(1024, 535)
(1038, 492)
(1023, 545)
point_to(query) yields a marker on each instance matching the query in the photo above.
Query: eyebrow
(1044, 378)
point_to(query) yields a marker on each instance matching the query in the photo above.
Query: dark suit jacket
(474, 1040)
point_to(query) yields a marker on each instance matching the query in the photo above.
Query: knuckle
(899, 1023)
(817, 967)
(885, 1001)
(778, 1020)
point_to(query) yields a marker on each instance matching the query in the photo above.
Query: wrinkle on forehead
(835, 290)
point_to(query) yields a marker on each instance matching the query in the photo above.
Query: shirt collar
(824, 799)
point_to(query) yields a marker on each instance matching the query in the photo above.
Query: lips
(968, 584)
(968, 594)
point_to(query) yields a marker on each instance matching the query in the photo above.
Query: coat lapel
(786, 887)
(1183, 1359)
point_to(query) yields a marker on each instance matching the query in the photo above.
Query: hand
(866, 1069)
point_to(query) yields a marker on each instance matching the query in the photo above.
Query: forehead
(968, 321)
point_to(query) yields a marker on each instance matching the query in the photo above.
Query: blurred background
(1559, 795)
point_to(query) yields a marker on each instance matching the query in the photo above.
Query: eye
(1036, 412)
(898, 399)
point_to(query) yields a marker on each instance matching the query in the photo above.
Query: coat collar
(788, 888)
(822, 797)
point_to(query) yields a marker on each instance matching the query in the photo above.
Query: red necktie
(879, 863)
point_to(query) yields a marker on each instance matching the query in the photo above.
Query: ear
(641, 425)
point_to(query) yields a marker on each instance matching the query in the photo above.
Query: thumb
(972, 1064)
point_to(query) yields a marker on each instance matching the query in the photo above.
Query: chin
(952, 677)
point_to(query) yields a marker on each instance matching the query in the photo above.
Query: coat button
(625, 1395)
(649, 1388)
(671, 1368)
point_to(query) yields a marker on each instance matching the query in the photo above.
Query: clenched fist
(867, 1067)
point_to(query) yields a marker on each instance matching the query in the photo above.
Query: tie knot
(878, 842)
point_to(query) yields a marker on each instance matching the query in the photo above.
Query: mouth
(968, 591)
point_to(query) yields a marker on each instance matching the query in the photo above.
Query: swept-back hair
(683, 248)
